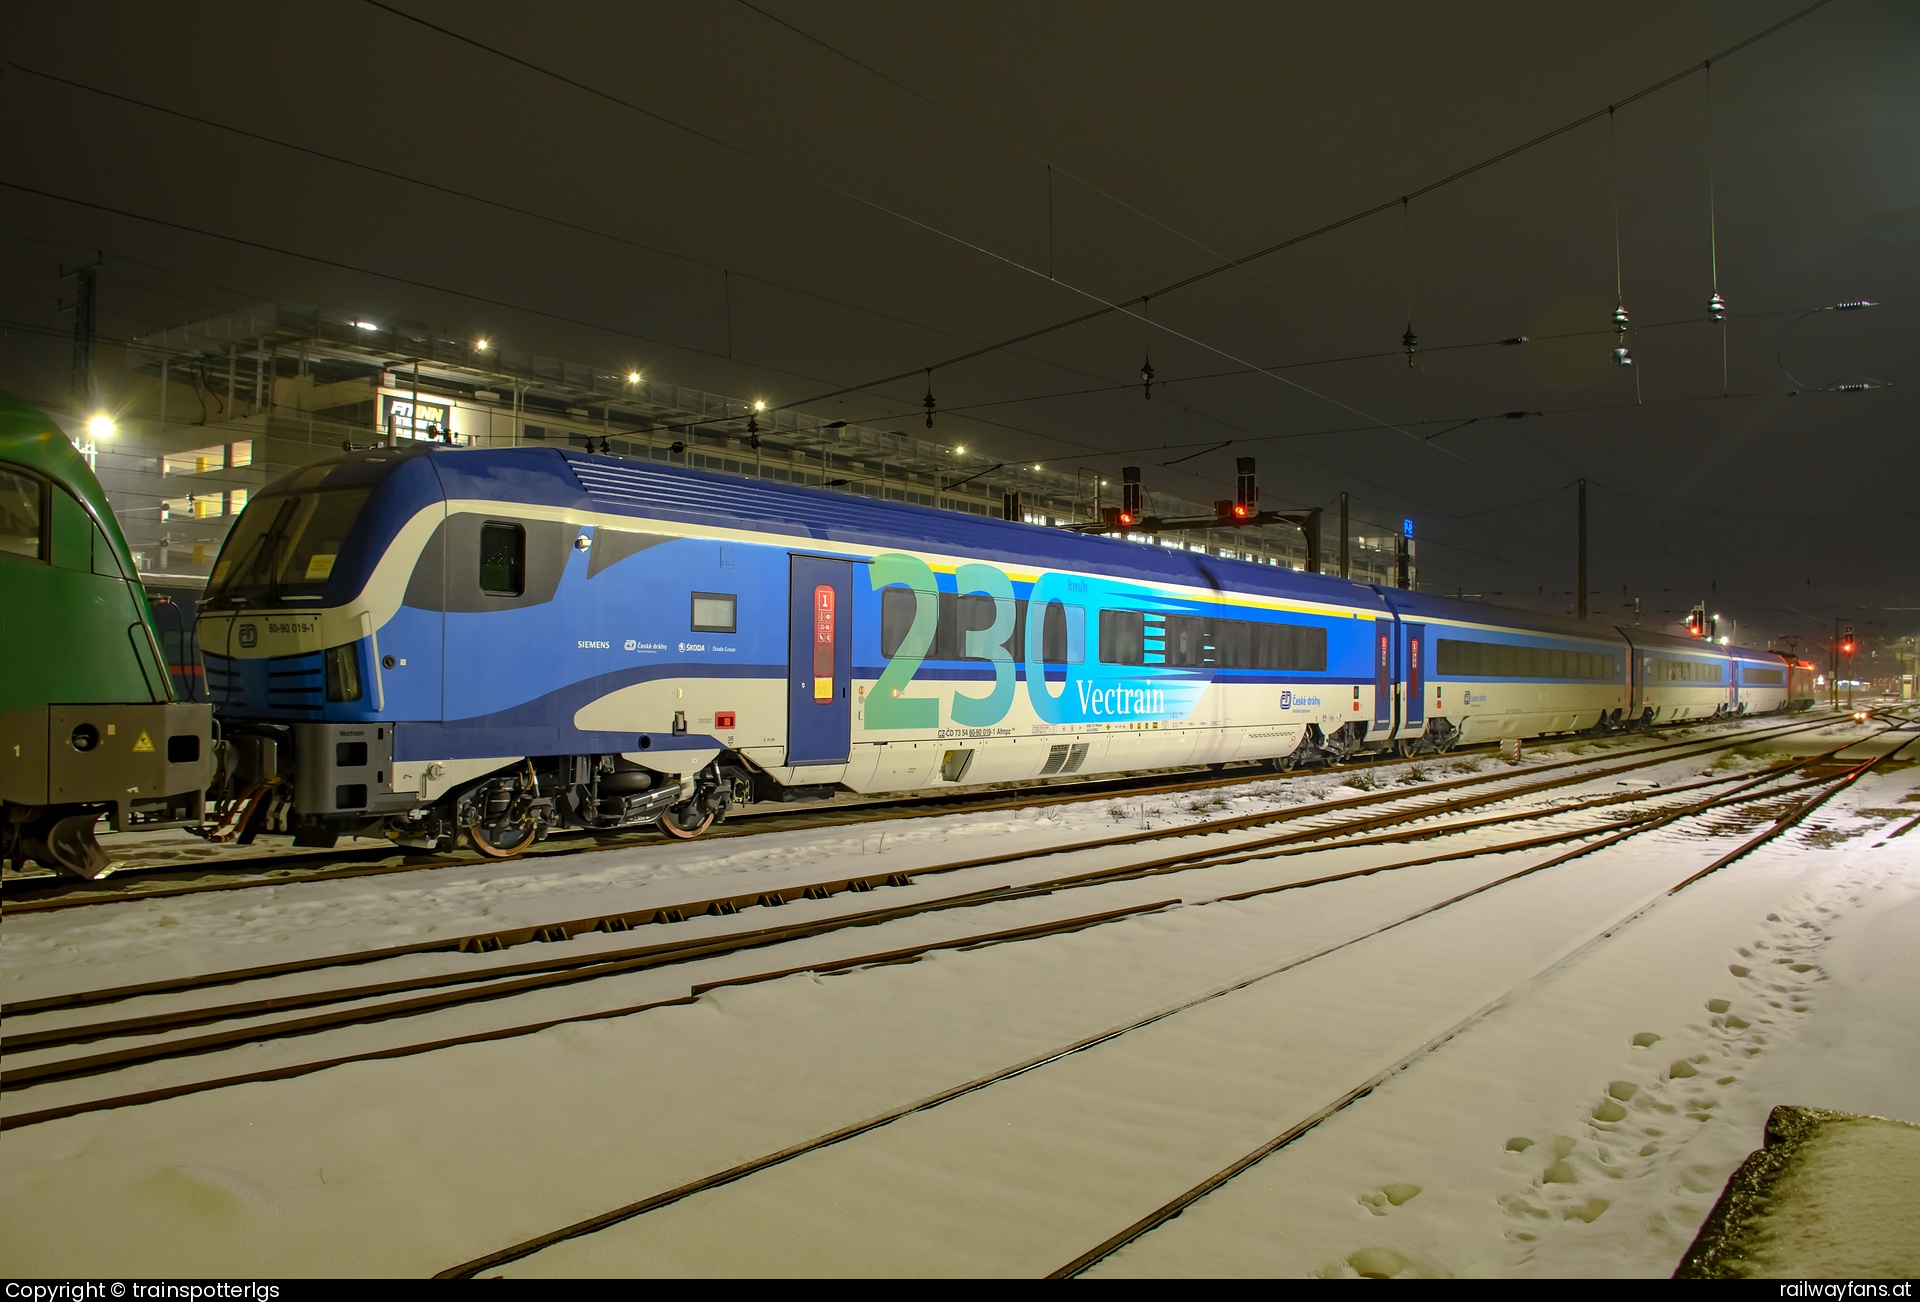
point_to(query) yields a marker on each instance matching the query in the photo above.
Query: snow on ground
(1587, 1129)
(1074, 823)
(1557, 1136)
(125, 943)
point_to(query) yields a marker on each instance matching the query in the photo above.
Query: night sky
(814, 203)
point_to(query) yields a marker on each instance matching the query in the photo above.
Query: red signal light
(1847, 647)
(1240, 511)
(1125, 517)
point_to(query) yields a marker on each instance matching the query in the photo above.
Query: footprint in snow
(1388, 1196)
(1384, 1263)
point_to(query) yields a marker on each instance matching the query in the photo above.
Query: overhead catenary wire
(559, 222)
(51, 333)
(417, 181)
(1362, 214)
(1404, 197)
(1125, 306)
(1702, 544)
(1716, 306)
(1622, 354)
(1051, 165)
(1105, 307)
(972, 408)
(1236, 262)
(1359, 519)
(1409, 342)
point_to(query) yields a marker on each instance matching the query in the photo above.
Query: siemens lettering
(1121, 700)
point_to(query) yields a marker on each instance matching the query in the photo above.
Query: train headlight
(343, 673)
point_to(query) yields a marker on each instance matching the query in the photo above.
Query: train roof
(1416, 605)
(588, 482)
(1648, 640)
(29, 437)
(844, 518)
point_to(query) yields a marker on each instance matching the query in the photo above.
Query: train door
(819, 660)
(1636, 681)
(1383, 684)
(1414, 674)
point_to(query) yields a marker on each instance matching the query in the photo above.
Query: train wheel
(493, 821)
(500, 843)
(686, 821)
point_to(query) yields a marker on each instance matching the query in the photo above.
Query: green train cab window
(503, 560)
(21, 515)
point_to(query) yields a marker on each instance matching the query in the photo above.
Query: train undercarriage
(306, 782)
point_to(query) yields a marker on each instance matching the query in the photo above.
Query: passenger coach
(435, 641)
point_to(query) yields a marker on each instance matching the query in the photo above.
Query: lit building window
(194, 461)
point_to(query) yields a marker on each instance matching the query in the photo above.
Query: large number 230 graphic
(887, 707)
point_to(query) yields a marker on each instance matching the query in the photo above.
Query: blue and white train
(488, 643)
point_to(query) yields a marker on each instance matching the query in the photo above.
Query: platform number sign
(823, 642)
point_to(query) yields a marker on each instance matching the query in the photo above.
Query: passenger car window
(1062, 635)
(503, 560)
(20, 533)
(714, 612)
(1123, 637)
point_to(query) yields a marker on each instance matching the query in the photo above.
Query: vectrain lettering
(1122, 700)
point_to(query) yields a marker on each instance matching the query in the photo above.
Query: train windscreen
(285, 545)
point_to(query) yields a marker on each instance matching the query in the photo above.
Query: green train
(89, 723)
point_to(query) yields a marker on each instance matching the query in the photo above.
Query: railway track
(1358, 821)
(135, 880)
(1795, 806)
(1499, 785)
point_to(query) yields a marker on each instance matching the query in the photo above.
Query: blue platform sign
(1406, 528)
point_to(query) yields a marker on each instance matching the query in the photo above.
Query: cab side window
(21, 515)
(503, 560)
(714, 612)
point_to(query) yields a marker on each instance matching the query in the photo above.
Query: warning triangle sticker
(144, 745)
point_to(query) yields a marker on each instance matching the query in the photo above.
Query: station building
(212, 411)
